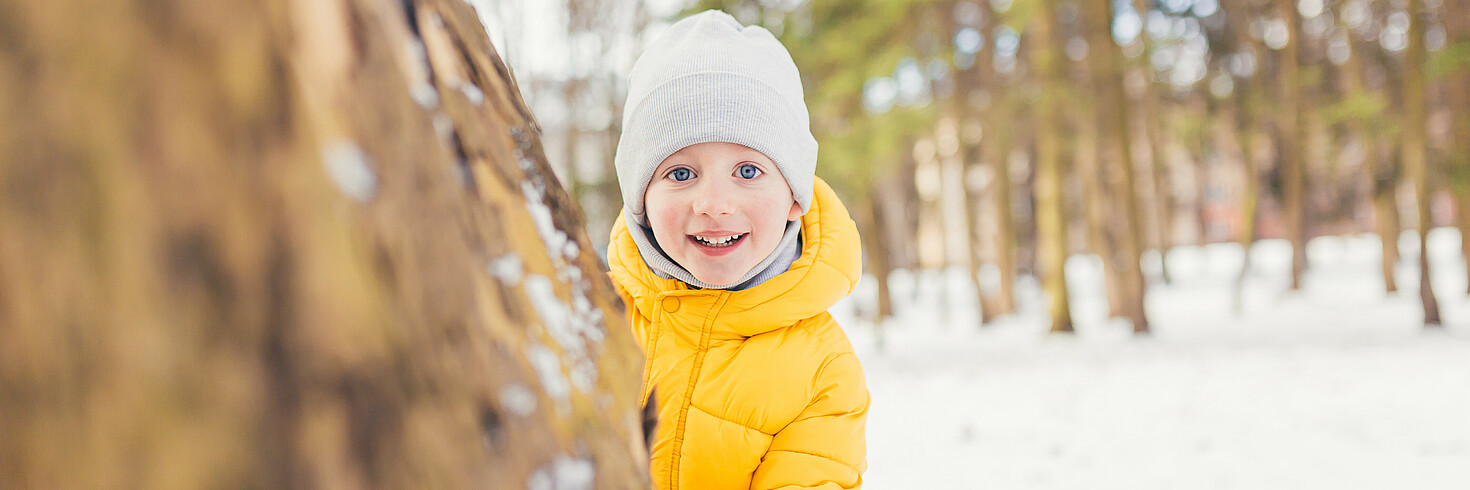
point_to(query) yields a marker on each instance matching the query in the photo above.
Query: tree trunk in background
(1096, 209)
(1457, 83)
(1380, 174)
(1245, 136)
(1106, 66)
(572, 91)
(1415, 147)
(237, 253)
(1051, 216)
(1164, 195)
(1150, 115)
(1385, 175)
(879, 258)
(990, 152)
(1290, 151)
(998, 148)
(1244, 99)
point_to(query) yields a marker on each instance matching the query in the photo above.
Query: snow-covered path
(1336, 386)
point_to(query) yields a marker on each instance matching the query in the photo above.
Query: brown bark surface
(1097, 210)
(1290, 150)
(1106, 66)
(1150, 114)
(999, 147)
(1051, 217)
(292, 244)
(1415, 149)
(1457, 87)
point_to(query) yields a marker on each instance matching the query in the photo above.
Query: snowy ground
(1336, 386)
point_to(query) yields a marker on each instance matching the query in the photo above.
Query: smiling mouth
(719, 241)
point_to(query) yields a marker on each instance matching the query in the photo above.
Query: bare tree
(1415, 148)
(1289, 135)
(1051, 218)
(1106, 66)
(1457, 26)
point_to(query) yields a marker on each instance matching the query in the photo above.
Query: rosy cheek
(666, 221)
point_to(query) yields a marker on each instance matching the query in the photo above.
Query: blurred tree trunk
(1096, 209)
(989, 152)
(1149, 114)
(878, 254)
(1245, 98)
(263, 245)
(1249, 192)
(997, 145)
(1384, 170)
(1106, 67)
(1457, 26)
(1290, 138)
(1415, 147)
(572, 92)
(1250, 189)
(1051, 216)
(1380, 173)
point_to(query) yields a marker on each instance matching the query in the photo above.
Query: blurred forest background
(1002, 136)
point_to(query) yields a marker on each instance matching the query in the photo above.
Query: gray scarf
(659, 262)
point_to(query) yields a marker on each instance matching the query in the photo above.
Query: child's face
(704, 194)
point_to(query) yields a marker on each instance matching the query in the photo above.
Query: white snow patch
(541, 216)
(564, 473)
(348, 167)
(571, 328)
(518, 400)
(548, 367)
(435, 21)
(506, 268)
(443, 126)
(421, 90)
(425, 94)
(553, 312)
(472, 93)
(575, 327)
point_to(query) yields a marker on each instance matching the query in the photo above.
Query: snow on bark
(177, 256)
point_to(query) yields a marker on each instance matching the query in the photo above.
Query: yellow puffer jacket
(757, 389)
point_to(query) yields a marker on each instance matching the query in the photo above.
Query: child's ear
(795, 213)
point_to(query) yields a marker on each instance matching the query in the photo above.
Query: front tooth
(718, 240)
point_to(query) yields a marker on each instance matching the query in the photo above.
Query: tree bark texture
(1415, 148)
(1385, 174)
(1150, 115)
(1290, 137)
(1457, 83)
(1106, 66)
(997, 146)
(292, 244)
(1245, 97)
(1096, 207)
(1245, 137)
(1051, 217)
(878, 258)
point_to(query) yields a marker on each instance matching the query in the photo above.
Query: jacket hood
(828, 269)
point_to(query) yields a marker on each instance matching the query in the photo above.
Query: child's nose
(713, 201)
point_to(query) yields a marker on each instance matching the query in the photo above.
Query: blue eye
(681, 174)
(749, 171)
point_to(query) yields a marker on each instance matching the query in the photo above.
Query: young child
(729, 252)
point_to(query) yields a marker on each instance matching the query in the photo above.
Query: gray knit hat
(708, 78)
